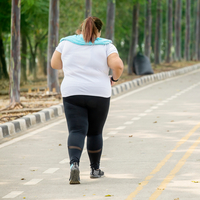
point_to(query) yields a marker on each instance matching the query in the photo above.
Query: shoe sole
(74, 177)
(92, 176)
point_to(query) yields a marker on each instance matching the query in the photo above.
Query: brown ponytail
(90, 28)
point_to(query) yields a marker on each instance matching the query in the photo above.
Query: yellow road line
(161, 164)
(176, 169)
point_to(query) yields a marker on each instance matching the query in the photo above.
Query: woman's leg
(97, 114)
(77, 121)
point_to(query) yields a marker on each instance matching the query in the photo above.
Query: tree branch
(38, 42)
(29, 41)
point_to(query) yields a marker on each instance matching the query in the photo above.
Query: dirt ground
(35, 96)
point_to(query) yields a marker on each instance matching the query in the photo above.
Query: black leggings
(86, 115)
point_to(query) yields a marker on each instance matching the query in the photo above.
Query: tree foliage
(5, 18)
(35, 27)
(34, 30)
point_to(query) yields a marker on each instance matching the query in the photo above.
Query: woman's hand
(111, 82)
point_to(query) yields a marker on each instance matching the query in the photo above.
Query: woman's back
(85, 69)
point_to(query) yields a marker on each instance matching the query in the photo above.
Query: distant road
(151, 150)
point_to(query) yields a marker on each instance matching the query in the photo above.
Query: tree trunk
(30, 69)
(23, 60)
(193, 29)
(3, 70)
(169, 32)
(110, 21)
(134, 38)
(33, 54)
(197, 44)
(33, 51)
(187, 33)
(1, 73)
(88, 8)
(199, 31)
(157, 56)
(148, 26)
(15, 53)
(41, 60)
(34, 65)
(52, 74)
(32, 57)
(178, 15)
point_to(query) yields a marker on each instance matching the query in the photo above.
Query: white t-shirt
(85, 69)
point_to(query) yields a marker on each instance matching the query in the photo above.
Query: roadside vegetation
(166, 31)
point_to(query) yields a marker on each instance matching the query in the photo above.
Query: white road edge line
(84, 151)
(120, 127)
(33, 182)
(154, 107)
(112, 100)
(160, 104)
(66, 160)
(51, 170)
(128, 122)
(105, 138)
(142, 114)
(31, 134)
(12, 195)
(135, 118)
(150, 85)
(112, 133)
(148, 111)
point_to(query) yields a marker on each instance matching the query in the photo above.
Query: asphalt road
(151, 150)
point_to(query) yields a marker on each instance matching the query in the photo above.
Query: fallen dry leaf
(130, 135)
(108, 195)
(160, 188)
(155, 122)
(196, 181)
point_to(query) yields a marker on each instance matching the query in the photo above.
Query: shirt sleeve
(111, 49)
(60, 46)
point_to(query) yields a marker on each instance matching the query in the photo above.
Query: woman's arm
(56, 62)
(116, 64)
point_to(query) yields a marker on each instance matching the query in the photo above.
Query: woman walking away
(86, 89)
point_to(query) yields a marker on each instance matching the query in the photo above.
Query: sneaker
(74, 174)
(96, 173)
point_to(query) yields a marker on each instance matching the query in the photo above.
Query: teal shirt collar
(78, 39)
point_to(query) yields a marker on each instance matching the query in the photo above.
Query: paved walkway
(151, 150)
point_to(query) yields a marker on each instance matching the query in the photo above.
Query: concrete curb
(151, 78)
(24, 123)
